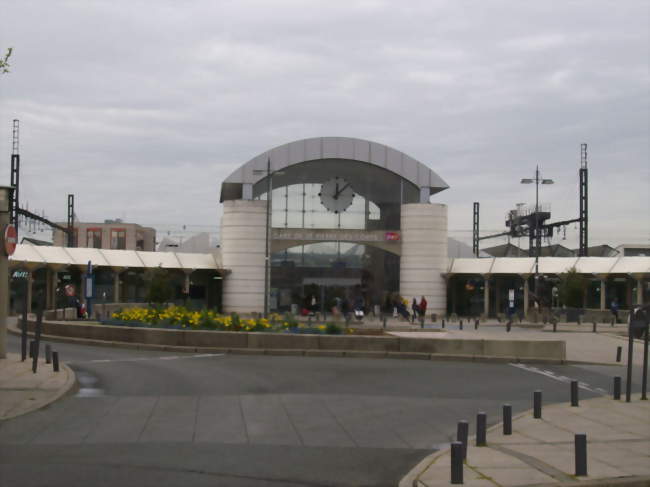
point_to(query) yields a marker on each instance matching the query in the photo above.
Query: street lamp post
(267, 253)
(537, 233)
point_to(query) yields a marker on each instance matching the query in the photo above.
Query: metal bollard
(574, 393)
(421, 321)
(508, 326)
(594, 328)
(55, 361)
(456, 462)
(537, 404)
(612, 323)
(581, 454)
(31, 348)
(476, 324)
(554, 326)
(617, 388)
(462, 432)
(507, 419)
(619, 352)
(443, 322)
(48, 353)
(460, 325)
(384, 320)
(481, 429)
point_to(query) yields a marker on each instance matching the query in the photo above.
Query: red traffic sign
(10, 239)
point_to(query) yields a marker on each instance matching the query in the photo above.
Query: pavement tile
(512, 476)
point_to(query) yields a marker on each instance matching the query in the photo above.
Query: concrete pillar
(639, 290)
(628, 293)
(525, 295)
(603, 294)
(486, 296)
(424, 253)
(497, 295)
(243, 251)
(48, 289)
(116, 286)
(30, 282)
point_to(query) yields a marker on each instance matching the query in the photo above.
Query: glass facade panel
(94, 238)
(118, 238)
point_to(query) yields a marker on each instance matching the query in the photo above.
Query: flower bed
(179, 317)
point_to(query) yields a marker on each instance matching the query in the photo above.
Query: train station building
(322, 220)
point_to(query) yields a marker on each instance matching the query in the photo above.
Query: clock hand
(336, 195)
(336, 192)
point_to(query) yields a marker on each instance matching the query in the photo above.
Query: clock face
(336, 194)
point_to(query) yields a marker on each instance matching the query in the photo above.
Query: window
(139, 240)
(94, 238)
(118, 238)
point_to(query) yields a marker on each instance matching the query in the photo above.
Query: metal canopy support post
(71, 242)
(583, 250)
(475, 228)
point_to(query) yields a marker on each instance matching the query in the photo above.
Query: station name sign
(334, 235)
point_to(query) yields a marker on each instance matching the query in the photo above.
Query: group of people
(418, 310)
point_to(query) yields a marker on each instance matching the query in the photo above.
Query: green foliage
(571, 288)
(333, 329)
(4, 64)
(159, 289)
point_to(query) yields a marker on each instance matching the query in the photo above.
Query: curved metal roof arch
(318, 148)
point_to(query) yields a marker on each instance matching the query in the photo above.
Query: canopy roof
(33, 256)
(318, 148)
(551, 265)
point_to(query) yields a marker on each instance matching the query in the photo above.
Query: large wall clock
(336, 194)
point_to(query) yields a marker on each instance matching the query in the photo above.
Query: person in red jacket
(422, 308)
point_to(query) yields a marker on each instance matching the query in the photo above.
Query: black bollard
(476, 324)
(537, 404)
(619, 352)
(630, 349)
(574, 393)
(594, 328)
(55, 361)
(460, 325)
(31, 348)
(554, 326)
(617, 388)
(48, 353)
(612, 323)
(508, 326)
(481, 427)
(384, 320)
(581, 454)
(421, 321)
(462, 432)
(507, 419)
(456, 462)
(443, 322)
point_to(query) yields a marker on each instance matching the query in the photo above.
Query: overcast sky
(142, 108)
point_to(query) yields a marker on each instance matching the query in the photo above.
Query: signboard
(10, 239)
(346, 235)
(392, 236)
(69, 290)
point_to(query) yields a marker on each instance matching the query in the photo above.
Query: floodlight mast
(536, 229)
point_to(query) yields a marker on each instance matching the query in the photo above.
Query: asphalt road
(166, 419)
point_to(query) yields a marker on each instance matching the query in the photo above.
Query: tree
(159, 289)
(571, 288)
(4, 64)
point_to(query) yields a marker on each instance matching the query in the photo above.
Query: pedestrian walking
(423, 307)
(414, 308)
(614, 309)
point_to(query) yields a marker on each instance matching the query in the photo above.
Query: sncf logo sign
(10, 239)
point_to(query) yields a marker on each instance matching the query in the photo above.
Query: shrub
(571, 288)
(333, 329)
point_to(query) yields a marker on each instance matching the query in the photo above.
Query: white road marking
(138, 359)
(560, 378)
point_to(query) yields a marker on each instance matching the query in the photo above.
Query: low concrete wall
(382, 345)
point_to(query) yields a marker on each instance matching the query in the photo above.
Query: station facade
(348, 220)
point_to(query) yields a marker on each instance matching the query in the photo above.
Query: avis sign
(10, 239)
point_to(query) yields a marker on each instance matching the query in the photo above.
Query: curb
(14, 330)
(69, 387)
